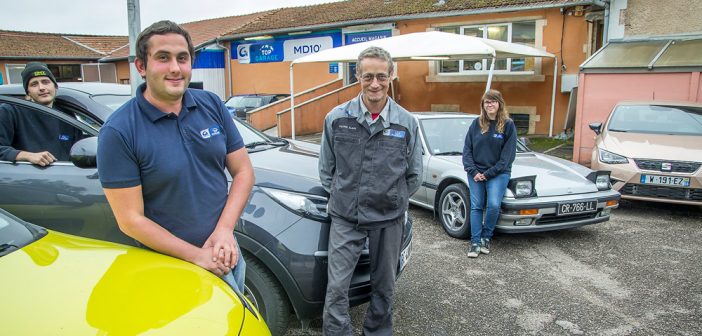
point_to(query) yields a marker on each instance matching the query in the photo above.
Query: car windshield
(113, 102)
(446, 136)
(252, 136)
(660, 119)
(14, 233)
(244, 102)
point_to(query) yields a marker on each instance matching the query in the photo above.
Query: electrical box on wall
(568, 82)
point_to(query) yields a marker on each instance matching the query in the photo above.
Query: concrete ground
(638, 274)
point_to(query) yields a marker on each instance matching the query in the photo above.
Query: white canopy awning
(429, 45)
(433, 45)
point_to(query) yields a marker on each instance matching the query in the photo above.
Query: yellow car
(58, 284)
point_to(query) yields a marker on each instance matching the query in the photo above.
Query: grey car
(283, 230)
(544, 193)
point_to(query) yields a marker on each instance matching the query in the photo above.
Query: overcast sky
(109, 17)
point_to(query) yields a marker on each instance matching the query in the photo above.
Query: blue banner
(353, 38)
(209, 59)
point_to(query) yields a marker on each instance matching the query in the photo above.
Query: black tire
(264, 291)
(454, 211)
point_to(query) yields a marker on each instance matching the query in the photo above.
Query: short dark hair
(161, 28)
(376, 52)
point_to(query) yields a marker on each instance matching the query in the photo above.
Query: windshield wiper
(256, 144)
(449, 153)
(617, 130)
(7, 248)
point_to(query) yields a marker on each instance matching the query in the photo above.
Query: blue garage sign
(353, 38)
(286, 48)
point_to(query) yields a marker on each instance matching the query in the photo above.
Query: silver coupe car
(544, 193)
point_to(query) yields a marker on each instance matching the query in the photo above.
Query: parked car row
(643, 151)
(283, 230)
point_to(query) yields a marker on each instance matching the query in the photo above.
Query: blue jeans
(235, 278)
(491, 190)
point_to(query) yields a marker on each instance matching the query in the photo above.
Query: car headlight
(523, 186)
(601, 179)
(306, 205)
(611, 158)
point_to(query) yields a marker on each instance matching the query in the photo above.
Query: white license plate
(666, 180)
(405, 256)
(571, 208)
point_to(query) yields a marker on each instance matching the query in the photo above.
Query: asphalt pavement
(638, 274)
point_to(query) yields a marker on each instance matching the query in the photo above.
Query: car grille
(677, 166)
(553, 219)
(662, 192)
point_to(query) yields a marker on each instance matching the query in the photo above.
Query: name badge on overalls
(393, 133)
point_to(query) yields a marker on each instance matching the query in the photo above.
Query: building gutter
(72, 58)
(227, 66)
(387, 19)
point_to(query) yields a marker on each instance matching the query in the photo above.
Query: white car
(544, 193)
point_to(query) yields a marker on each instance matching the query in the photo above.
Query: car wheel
(263, 290)
(454, 211)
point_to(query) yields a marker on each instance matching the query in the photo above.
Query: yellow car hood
(68, 285)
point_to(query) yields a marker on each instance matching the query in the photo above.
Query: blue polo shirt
(179, 160)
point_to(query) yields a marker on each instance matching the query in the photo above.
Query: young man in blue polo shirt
(162, 159)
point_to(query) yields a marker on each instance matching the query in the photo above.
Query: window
(523, 32)
(14, 73)
(34, 131)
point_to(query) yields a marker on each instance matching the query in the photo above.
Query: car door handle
(68, 199)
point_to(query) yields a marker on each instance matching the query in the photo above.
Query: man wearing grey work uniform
(370, 163)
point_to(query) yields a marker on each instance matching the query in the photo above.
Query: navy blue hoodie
(491, 153)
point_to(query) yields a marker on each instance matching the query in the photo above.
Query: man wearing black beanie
(27, 135)
(39, 83)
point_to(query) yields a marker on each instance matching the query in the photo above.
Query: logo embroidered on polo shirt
(498, 135)
(210, 132)
(394, 133)
(64, 137)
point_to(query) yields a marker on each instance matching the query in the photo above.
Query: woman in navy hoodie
(488, 153)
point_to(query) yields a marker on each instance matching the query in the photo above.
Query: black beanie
(36, 69)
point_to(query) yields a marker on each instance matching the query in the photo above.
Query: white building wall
(212, 80)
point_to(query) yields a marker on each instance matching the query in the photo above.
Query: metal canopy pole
(134, 25)
(292, 103)
(553, 97)
(492, 67)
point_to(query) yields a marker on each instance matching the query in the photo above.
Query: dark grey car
(240, 104)
(283, 231)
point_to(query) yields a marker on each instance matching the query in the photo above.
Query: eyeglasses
(381, 77)
(490, 102)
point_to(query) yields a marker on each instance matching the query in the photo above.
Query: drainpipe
(227, 65)
(605, 31)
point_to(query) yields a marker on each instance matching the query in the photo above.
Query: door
(60, 196)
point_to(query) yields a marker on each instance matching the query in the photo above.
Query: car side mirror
(596, 127)
(525, 141)
(84, 153)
